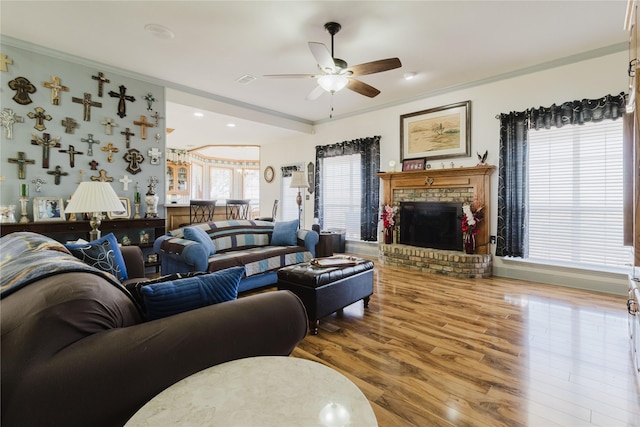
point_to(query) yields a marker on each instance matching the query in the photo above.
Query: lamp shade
(298, 180)
(94, 196)
(333, 83)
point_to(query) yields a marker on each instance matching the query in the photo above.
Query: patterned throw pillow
(169, 298)
(103, 254)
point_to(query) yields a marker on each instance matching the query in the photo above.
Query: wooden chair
(237, 209)
(274, 210)
(200, 211)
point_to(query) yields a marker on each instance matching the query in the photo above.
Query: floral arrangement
(470, 218)
(388, 215)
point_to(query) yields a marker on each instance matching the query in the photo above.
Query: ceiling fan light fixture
(332, 83)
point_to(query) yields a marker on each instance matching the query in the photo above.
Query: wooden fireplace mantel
(476, 178)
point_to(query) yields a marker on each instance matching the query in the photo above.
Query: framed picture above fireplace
(437, 133)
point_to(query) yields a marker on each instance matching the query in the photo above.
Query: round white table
(260, 392)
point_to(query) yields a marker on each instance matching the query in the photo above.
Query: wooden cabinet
(177, 179)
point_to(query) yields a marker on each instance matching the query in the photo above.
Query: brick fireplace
(470, 184)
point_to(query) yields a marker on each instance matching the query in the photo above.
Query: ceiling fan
(335, 72)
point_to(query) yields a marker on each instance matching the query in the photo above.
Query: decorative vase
(469, 243)
(388, 235)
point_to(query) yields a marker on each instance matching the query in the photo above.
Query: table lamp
(298, 180)
(96, 197)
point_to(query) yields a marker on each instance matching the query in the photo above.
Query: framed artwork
(413, 164)
(48, 209)
(436, 133)
(125, 212)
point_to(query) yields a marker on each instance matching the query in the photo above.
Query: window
(575, 194)
(341, 193)
(220, 183)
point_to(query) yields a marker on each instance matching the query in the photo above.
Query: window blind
(575, 194)
(342, 194)
(220, 183)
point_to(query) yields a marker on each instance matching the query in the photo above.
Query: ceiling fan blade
(375, 66)
(362, 88)
(289, 76)
(315, 93)
(323, 57)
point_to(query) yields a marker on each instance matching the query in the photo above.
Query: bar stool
(237, 209)
(200, 211)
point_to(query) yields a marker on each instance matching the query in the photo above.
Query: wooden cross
(143, 126)
(125, 181)
(38, 182)
(7, 119)
(102, 177)
(69, 124)
(87, 103)
(22, 161)
(4, 60)
(101, 81)
(72, 154)
(127, 135)
(89, 140)
(94, 165)
(154, 156)
(55, 87)
(134, 158)
(23, 88)
(46, 143)
(39, 116)
(110, 149)
(58, 173)
(108, 124)
(156, 117)
(122, 107)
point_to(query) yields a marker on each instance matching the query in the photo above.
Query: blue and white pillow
(103, 254)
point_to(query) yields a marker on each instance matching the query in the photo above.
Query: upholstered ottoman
(325, 289)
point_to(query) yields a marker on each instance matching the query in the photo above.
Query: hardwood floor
(436, 351)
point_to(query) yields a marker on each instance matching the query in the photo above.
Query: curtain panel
(369, 150)
(512, 172)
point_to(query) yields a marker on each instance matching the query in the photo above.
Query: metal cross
(89, 140)
(4, 60)
(143, 126)
(69, 124)
(72, 154)
(23, 88)
(150, 100)
(125, 181)
(154, 156)
(94, 165)
(38, 182)
(156, 117)
(108, 124)
(102, 177)
(7, 119)
(127, 135)
(58, 173)
(39, 116)
(110, 148)
(158, 137)
(55, 87)
(122, 107)
(87, 103)
(46, 143)
(101, 81)
(22, 161)
(134, 158)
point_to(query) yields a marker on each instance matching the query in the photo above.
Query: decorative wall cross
(23, 88)
(150, 100)
(154, 156)
(56, 88)
(128, 136)
(143, 126)
(125, 181)
(93, 165)
(108, 124)
(101, 81)
(39, 116)
(80, 174)
(87, 103)
(72, 155)
(110, 148)
(158, 137)
(134, 158)
(89, 140)
(156, 117)
(38, 182)
(22, 162)
(4, 60)
(46, 143)
(7, 119)
(122, 107)
(58, 173)
(69, 124)
(102, 177)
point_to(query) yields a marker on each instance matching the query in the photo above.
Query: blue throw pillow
(103, 254)
(169, 298)
(285, 233)
(197, 234)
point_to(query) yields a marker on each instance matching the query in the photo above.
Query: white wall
(586, 79)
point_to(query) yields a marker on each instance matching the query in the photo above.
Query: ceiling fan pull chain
(331, 105)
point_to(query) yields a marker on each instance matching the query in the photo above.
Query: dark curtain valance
(287, 171)
(577, 112)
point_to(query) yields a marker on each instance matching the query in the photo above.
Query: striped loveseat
(237, 243)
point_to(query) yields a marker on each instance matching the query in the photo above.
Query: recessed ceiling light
(198, 114)
(231, 125)
(159, 31)
(409, 76)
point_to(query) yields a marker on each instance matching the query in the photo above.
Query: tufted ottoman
(327, 288)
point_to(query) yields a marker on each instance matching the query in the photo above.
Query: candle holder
(137, 214)
(23, 207)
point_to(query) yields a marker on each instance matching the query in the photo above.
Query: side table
(326, 244)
